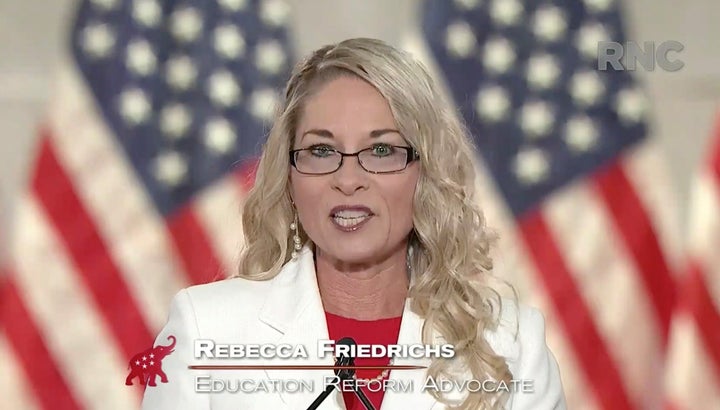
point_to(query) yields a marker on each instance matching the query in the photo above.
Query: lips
(349, 218)
(350, 211)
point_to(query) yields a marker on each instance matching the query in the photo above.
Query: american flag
(572, 180)
(136, 188)
(693, 370)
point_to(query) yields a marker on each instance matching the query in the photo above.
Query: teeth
(351, 214)
(348, 222)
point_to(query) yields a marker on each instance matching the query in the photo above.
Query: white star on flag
(98, 40)
(536, 118)
(229, 42)
(506, 12)
(274, 12)
(140, 58)
(542, 71)
(223, 89)
(598, 5)
(631, 104)
(460, 40)
(588, 37)
(499, 55)
(186, 24)
(219, 135)
(181, 72)
(170, 168)
(175, 120)
(263, 103)
(531, 165)
(147, 12)
(233, 5)
(492, 103)
(134, 106)
(270, 57)
(549, 23)
(586, 88)
(581, 134)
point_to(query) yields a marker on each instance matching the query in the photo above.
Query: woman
(362, 223)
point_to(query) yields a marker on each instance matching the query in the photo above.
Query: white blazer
(288, 310)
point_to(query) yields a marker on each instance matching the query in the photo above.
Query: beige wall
(32, 33)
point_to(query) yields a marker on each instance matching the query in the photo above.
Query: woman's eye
(382, 150)
(321, 150)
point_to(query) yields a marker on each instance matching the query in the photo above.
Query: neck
(363, 292)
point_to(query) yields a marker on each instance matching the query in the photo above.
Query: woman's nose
(350, 176)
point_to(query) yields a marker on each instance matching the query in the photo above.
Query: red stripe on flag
(590, 350)
(715, 161)
(634, 226)
(193, 247)
(698, 301)
(669, 405)
(88, 252)
(37, 363)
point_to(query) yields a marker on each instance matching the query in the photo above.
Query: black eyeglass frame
(411, 156)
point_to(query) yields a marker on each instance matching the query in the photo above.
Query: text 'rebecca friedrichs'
(208, 349)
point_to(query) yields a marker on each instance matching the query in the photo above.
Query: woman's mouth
(349, 221)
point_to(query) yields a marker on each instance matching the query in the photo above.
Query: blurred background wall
(32, 33)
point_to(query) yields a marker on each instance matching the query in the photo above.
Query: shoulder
(520, 339)
(218, 311)
(227, 292)
(211, 306)
(518, 324)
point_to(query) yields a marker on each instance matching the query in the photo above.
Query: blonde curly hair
(449, 247)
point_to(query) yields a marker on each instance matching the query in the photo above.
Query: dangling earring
(296, 237)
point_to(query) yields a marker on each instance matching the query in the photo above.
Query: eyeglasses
(378, 159)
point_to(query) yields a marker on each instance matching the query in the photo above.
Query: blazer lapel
(294, 310)
(414, 398)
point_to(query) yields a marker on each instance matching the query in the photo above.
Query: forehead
(343, 103)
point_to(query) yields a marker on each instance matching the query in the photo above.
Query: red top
(379, 332)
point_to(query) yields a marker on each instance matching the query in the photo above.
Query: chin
(350, 253)
(354, 253)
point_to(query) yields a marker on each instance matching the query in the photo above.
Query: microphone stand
(342, 374)
(359, 393)
(314, 405)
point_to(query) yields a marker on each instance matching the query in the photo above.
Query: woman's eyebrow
(327, 134)
(319, 133)
(377, 133)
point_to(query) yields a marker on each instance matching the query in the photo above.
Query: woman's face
(351, 215)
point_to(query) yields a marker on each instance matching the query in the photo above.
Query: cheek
(303, 188)
(400, 199)
(307, 193)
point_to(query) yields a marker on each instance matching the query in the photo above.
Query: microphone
(342, 374)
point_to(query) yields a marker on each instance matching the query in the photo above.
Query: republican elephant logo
(147, 365)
